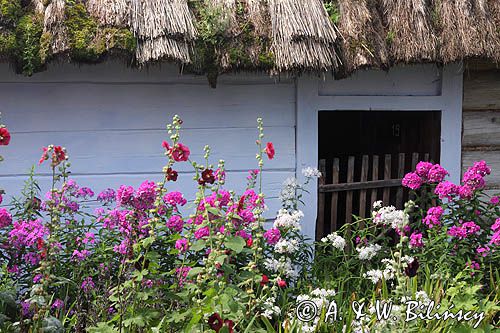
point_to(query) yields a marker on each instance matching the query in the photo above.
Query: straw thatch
(164, 29)
(303, 36)
(271, 35)
(362, 43)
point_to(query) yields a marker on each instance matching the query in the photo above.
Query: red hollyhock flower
(59, 155)
(45, 155)
(180, 153)
(230, 324)
(207, 176)
(270, 150)
(171, 175)
(249, 242)
(215, 322)
(4, 136)
(264, 280)
(281, 283)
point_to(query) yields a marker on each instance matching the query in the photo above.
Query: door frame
(309, 102)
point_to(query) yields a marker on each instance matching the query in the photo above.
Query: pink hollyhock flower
(58, 155)
(433, 217)
(422, 169)
(174, 199)
(4, 136)
(281, 283)
(412, 181)
(270, 150)
(416, 240)
(446, 189)
(272, 236)
(436, 174)
(182, 245)
(5, 218)
(175, 223)
(202, 232)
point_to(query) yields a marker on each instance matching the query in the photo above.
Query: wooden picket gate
(356, 182)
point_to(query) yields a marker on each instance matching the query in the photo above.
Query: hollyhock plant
(4, 136)
(270, 150)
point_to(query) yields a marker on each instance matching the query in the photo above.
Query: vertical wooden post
(387, 175)
(414, 161)
(320, 222)
(348, 196)
(401, 173)
(374, 177)
(362, 193)
(335, 195)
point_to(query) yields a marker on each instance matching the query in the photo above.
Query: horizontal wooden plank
(481, 90)
(492, 158)
(383, 103)
(481, 128)
(140, 151)
(360, 185)
(414, 80)
(120, 71)
(66, 106)
(272, 183)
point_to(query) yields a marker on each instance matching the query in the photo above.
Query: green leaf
(235, 243)
(198, 245)
(195, 271)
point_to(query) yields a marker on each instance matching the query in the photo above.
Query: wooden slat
(370, 184)
(335, 195)
(348, 199)
(401, 172)
(414, 161)
(320, 223)
(362, 193)
(481, 129)
(482, 90)
(387, 176)
(374, 178)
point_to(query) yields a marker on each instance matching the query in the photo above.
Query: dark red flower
(215, 322)
(270, 150)
(249, 242)
(4, 136)
(264, 280)
(229, 324)
(207, 176)
(281, 283)
(411, 269)
(171, 175)
(180, 153)
(59, 155)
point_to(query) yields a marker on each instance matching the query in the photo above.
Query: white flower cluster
(389, 215)
(286, 246)
(368, 252)
(288, 192)
(310, 172)
(282, 266)
(270, 308)
(289, 221)
(375, 275)
(337, 241)
(320, 297)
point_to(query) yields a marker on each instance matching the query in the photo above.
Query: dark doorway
(364, 141)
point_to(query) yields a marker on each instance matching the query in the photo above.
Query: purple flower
(57, 304)
(174, 199)
(5, 218)
(436, 174)
(495, 200)
(175, 223)
(146, 195)
(80, 255)
(412, 181)
(272, 236)
(125, 195)
(433, 217)
(107, 196)
(416, 240)
(182, 245)
(37, 278)
(88, 284)
(202, 232)
(446, 189)
(27, 233)
(422, 169)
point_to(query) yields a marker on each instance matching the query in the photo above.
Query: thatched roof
(215, 36)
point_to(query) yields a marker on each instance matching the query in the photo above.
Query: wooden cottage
(362, 89)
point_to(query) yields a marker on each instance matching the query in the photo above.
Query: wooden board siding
(481, 121)
(112, 121)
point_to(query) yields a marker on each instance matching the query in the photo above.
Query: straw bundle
(362, 41)
(411, 36)
(259, 17)
(54, 25)
(303, 36)
(494, 6)
(114, 13)
(466, 29)
(164, 29)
